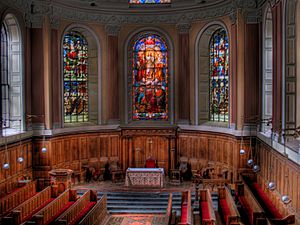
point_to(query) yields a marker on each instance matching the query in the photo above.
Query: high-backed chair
(185, 168)
(115, 169)
(150, 163)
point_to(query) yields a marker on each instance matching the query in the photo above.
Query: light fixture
(242, 152)
(256, 168)
(20, 160)
(285, 199)
(44, 149)
(250, 162)
(6, 166)
(271, 186)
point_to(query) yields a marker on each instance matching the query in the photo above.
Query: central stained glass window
(149, 1)
(150, 78)
(75, 67)
(219, 82)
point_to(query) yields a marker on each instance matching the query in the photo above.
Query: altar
(144, 177)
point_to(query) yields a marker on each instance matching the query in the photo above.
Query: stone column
(112, 79)
(184, 74)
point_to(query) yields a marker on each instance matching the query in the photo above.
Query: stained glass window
(75, 53)
(150, 78)
(219, 82)
(149, 1)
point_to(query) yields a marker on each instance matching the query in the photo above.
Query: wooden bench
(97, 215)
(79, 209)
(271, 211)
(25, 211)
(50, 212)
(186, 209)
(208, 216)
(15, 198)
(227, 207)
(255, 213)
(168, 215)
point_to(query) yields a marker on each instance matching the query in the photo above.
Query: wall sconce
(250, 162)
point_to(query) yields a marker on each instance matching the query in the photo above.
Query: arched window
(149, 77)
(267, 70)
(75, 69)
(11, 74)
(219, 77)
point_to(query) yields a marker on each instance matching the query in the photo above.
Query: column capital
(112, 29)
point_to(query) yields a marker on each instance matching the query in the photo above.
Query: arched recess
(156, 83)
(12, 79)
(291, 100)
(203, 73)
(267, 69)
(81, 76)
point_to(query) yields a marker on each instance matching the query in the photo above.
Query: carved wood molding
(149, 132)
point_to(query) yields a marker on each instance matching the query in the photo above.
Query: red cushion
(224, 209)
(205, 211)
(184, 213)
(269, 206)
(38, 209)
(83, 212)
(247, 208)
(66, 206)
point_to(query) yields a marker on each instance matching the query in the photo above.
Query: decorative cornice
(149, 132)
(113, 26)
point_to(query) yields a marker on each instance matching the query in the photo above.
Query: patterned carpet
(138, 219)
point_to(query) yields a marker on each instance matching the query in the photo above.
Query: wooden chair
(150, 163)
(116, 172)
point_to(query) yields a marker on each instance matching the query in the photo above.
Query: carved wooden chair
(115, 169)
(151, 163)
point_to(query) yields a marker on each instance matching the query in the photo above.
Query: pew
(97, 215)
(25, 210)
(271, 211)
(77, 211)
(15, 198)
(255, 213)
(186, 209)
(208, 216)
(227, 207)
(50, 212)
(168, 215)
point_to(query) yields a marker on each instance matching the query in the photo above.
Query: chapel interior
(139, 112)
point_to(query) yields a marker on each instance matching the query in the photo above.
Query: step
(136, 202)
(148, 211)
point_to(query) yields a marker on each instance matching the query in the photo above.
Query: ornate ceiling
(120, 12)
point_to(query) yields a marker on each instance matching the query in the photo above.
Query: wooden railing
(227, 206)
(69, 216)
(20, 213)
(186, 209)
(97, 215)
(15, 198)
(205, 197)
(253, 209)
(168, 216)
(45, 215)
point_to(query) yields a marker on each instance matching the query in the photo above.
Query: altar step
(144, 202)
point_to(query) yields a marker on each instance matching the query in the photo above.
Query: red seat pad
(83, 212)
(184, 213)
(269, 206)
(224, 209)
(205, 211)
(247, 208)
(66, 206)
(38, 209)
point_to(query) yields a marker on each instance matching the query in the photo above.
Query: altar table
(145, 177)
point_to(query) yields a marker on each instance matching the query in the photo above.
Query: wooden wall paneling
(83, 148)
(115, 146)
(92, 146)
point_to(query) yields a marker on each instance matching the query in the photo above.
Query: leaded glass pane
(219, 76)
(150, 78)
(75, 66)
